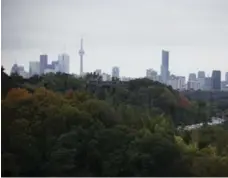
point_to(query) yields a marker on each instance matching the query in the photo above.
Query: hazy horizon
(126, 33)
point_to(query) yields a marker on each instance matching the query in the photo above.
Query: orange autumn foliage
(17, 94)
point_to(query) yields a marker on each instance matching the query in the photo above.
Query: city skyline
(197, 38)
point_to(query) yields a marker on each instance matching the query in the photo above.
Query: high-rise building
(226, 77)
(165, 67)
(216, 80)
(207, 84)
(177, 82)
(201, 74)
(192, 77)
(64, 63)
(201, 79)
(106, 77)
(81, 54)
(181, 83)
(19, 70)
(116, 72)
(14, 69)
(34, 68)
(43, 62)
(193, 85)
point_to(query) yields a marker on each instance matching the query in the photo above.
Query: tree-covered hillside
(57, 125)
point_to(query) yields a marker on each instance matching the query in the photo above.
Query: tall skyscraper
(208, 84)
(165, 66)
(116, 72)
(216, 80)
(201, 74)
(63, 63)
(81, 54)
(34, 68)
(201, 79)
(192, 77)
(43, 62)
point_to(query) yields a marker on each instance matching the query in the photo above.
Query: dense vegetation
(57, 125)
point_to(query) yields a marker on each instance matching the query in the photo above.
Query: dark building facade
(43, 63)
(216, 80)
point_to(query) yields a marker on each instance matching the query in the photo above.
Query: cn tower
(81, 53)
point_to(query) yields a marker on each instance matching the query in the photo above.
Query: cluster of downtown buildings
(200, 82)
(194, 82)
(42, 67)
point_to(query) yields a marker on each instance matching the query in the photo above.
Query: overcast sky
(125, 33)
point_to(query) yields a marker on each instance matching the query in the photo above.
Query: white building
(181, 85)
(106, 77)
(202, 83)
(34, 68)
(177, 82)
(116, 72)
(173, 82)
(64, 63)
(193, 85)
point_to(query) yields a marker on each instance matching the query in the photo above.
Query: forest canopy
(59, 125)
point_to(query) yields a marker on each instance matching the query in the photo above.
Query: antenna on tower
(81, 43)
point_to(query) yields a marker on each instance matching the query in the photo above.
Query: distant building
(14, 69)
(43, 62)
(165, 67)
(192, 77)
(193, 85)
(226, 77)
(201, 74)
(55, 66)
(173, 82)
(152, 74)
(201, 82)
(106, 77)
(181, 83)
(177, 82)
(34, 68)
(116, 72)
(216, 80)
(201, 79)
(207, 84)
(64, 63)
(224, 86)
(19, 70)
